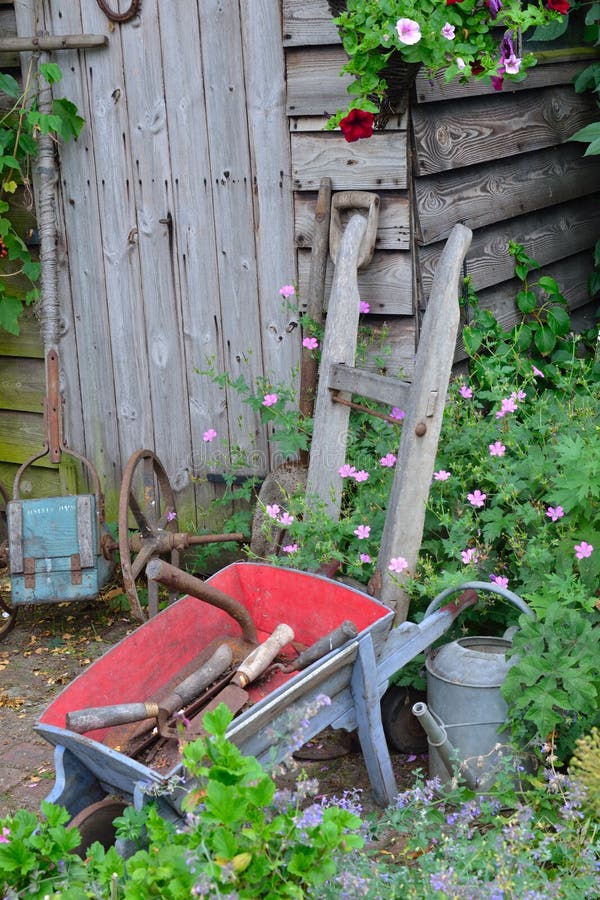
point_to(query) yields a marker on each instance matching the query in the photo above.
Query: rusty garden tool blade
(234, 696)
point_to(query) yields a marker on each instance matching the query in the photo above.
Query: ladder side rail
(403, 529)
(330, 426)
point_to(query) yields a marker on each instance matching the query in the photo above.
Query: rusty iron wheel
(95, 823)
(146, 503)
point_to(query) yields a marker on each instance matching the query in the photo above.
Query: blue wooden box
(54, 550)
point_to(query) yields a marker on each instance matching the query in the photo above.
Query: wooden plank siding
(497, 162)
(176, 232)
(189, 198)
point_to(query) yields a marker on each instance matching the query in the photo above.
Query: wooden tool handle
(195, 683)
(93, 717)
(324, 645)
(263, 656)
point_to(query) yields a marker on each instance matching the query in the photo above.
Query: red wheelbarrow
(163, 652)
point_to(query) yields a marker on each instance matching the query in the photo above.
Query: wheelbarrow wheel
(146, 502)
(8, 612)
(95, 823)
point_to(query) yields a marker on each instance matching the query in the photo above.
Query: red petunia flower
(452, 2)
(476, 68)
(561, 6)
(357, 124)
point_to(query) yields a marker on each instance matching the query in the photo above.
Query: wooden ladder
(423, 399)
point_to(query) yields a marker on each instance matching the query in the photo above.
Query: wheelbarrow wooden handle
(93, 717)
(332, 641)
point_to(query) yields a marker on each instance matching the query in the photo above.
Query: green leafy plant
(20, 127)
(240, 838)
(553, 691)
(464, 38)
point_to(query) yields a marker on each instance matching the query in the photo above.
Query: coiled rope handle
(120, 17)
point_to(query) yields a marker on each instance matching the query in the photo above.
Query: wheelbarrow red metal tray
(353, 677)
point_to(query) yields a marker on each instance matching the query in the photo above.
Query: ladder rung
(382, 388)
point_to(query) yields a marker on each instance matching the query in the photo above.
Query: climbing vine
(21, 124)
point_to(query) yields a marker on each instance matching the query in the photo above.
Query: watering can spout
(437, 737)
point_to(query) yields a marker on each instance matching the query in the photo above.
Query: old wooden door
(176, 230)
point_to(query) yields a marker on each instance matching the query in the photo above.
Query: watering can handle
(479, 586)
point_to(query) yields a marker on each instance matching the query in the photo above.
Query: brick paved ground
(48, 647)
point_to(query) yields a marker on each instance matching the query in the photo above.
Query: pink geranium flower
(311, 343)
(273, 510)
(364, 558)
(499, 580)
(346, 471)
(508, 406)
(583, 550)
(441, 475)
(470, 555)
(362, 532)
(287, 291)
(209, 435)
(537, 372)
(4, 837)
(270, 399)
(290, 548)
(397, 564)
(285, 519)
(388, 460)
(397, 413)
(364, 307)
(466, 392)
(555, 512)
(477, 498)
(497, 449)
(361, 475)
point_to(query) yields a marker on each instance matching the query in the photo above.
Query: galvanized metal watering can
(466, 711)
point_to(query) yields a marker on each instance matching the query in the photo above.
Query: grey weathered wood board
(548, 235)
(471, 132)
(502, 188)
(176, 233)
(386, 284)
(316, 85)
(308, 22)
(373, 165)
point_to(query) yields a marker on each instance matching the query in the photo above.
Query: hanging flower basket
(387, 43)
(399, 75)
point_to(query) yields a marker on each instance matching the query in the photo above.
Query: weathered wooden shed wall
(176, 231)
(188, 201)
(495, 162)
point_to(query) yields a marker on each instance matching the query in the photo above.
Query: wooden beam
(53, 42)
(552, 234)
(475, 131)
(382, 388)
(502, 189)
(376, 164)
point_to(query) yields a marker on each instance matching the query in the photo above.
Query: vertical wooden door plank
(160, 334)
(197, 267)
(231, 173)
